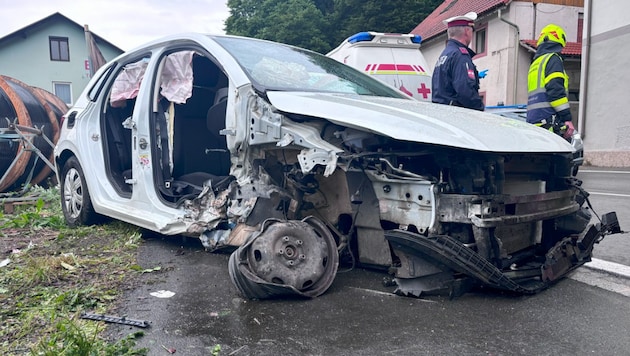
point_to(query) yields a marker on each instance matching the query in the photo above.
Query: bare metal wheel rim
(73, 193)
(286, 258)
(291, 253)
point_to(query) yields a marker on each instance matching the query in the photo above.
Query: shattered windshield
(274, 66)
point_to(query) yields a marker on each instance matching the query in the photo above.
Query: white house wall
(432, 50)
(505, 75)
(498, 85)
(563, 16)
(604, 95)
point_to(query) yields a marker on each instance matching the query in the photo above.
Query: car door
(188, 112)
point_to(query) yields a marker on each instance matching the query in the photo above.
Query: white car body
(264, 147)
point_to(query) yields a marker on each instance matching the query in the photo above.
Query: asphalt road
(610, 191)
(581, 315)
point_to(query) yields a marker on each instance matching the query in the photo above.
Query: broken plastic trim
(115, 319)
(567, 255)
(284, 258)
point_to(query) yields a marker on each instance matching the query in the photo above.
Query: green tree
(295, 22)
(321, 25)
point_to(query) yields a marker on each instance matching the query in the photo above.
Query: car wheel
(285, 257)
(75, 197)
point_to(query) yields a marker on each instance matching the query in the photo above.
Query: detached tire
(75, 197)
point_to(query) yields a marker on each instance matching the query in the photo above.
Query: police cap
(464, 20)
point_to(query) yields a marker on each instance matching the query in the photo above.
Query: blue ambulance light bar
(361, 37)
(369, 36)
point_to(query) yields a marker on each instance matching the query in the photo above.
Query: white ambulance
(393, 58)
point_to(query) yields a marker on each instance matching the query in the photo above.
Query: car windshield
(275, 66)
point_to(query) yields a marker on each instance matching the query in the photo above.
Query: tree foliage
(321, 25)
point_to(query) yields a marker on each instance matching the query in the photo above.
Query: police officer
(548, 84)
(455, 77)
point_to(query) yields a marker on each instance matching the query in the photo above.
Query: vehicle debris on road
(116, 319)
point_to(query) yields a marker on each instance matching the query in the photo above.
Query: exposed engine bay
(439, 219)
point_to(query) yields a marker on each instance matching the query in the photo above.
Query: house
(505, 42)
(52, 54)
(603, 119)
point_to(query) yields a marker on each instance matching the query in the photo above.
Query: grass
(51, 274)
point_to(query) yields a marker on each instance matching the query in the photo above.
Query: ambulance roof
(378, 39)
(389, 38)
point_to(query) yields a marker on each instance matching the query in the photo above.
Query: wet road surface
(360, 316)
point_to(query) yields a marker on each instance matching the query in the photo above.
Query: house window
(63, 91)
(480, 41)
(59, 50)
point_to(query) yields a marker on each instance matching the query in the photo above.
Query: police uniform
(455, 78)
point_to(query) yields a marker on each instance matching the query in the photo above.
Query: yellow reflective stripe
(541, 69)
(560, 101)
(553, 76)
(560, 104)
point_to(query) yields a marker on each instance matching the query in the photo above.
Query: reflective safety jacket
(548, 87)
(455, 78)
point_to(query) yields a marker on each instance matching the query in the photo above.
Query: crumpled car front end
(442, 211)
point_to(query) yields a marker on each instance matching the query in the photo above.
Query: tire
(75, 197)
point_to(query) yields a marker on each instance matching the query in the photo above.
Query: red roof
(571, 49)
(433, 26)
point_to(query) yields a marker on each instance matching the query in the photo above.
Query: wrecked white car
(299, 163)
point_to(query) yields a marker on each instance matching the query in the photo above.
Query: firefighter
(455, 77)
(548, 84)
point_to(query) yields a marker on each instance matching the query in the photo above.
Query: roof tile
(433, 26)
(571, 49)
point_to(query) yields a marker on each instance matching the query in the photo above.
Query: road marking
(601, 280)
(609, 267)
(607, 275)
(596, 171)
(610, 194)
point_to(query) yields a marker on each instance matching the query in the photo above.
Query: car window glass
(98, 86)
(274, 66)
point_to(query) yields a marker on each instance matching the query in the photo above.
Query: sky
(124, 23)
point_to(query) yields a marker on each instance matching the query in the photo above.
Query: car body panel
(519, 112)
(422, 122)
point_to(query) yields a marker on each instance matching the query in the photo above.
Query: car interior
(185, 157)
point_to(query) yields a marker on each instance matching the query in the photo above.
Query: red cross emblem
(424, 91)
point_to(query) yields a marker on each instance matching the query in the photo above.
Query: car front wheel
(75, 197)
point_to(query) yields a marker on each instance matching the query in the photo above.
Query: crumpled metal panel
(416, 121)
